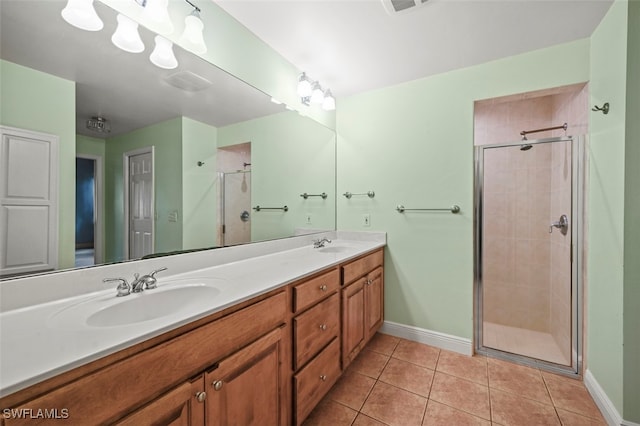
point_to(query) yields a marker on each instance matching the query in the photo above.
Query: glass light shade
(162, 55)
(156, 16)
(329, 102)
(126, 36)
(304, 86)
(317, 95)
(81, 14)
(192, 38)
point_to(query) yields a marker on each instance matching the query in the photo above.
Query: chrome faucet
(320, 242)
(139, 283)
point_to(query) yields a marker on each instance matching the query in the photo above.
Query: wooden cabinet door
(374, 302)
(353, 330)
(182, 406)
(245, 388)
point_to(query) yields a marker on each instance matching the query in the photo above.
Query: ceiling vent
(188, 81)
(401, 6)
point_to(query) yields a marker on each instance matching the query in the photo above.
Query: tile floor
(400, 382)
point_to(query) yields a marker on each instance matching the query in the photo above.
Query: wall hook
(604, 108)
(200, 163)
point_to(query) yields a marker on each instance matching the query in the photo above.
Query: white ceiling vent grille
(188, 81)
(401, 6)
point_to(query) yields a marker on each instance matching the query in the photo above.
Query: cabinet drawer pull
(323, 377)
(323, 327)
(201, 396)
(217, 385)
(323, 287)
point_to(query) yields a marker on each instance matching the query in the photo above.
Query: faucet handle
(150, 280)
(123, 287)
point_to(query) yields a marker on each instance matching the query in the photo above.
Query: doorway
(139, 202)
(528, 283)
(88, 228)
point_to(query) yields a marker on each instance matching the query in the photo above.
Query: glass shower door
(236, 211)
(526, 288)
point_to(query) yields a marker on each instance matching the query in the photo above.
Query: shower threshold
(521, 341)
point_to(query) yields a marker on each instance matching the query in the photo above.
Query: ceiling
(352, 46)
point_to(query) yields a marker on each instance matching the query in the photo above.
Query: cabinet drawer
(315, 380)
(315, 328)
(362, 266)
(315, 289)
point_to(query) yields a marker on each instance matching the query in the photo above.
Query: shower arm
(524, 133)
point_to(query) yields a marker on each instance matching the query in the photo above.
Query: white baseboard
(428, 337)
(608, 410)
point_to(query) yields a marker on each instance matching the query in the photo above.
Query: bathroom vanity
(265, 354)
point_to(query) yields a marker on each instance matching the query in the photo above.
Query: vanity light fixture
(192, 38)
(156, 16)
(311, 92)
(126, 36)
(81, 14)
(162, 55)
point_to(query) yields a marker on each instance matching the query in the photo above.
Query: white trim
(99, 200)
(608, 410)
(429, 337)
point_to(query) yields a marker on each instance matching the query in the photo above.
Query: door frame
(98, 205)
(578, 175)
(126, 182)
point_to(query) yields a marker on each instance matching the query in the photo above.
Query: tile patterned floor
(400, 382)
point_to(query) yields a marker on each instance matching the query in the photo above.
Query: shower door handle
(562, 225)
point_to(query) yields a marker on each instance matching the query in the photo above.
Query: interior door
(28, 201)
(141, 205)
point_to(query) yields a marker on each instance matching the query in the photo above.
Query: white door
(28, 201)
(141, 209)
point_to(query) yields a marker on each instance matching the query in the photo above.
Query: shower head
(526, 147)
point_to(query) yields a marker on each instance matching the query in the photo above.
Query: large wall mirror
(193, 157)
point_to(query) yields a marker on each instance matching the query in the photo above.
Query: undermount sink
(185, 297)
(333, 249)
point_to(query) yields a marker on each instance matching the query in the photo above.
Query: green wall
(166, 137)
(413, 145)
(33, 100)
(290, 155)
(632, 222)
(199, 201)
(605, 210)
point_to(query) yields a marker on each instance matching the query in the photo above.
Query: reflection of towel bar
(305, 195)
(370, 194)
(453, 209)
(258, 208)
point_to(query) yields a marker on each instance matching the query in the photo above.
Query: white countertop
(33, 348)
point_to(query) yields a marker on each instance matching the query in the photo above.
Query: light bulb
(126, 36)
(317, 96)
(304, 86)
(329, 102)
(162, 55)
(81, 14)
(156, 16)
(192, 38)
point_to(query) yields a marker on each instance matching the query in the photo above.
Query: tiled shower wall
(526, 277)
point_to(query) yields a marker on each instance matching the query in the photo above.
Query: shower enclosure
(528, 240)
(236, 207)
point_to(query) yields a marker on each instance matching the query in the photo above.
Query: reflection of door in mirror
(28, 201)
(88, 248)
(140, 206)
(236, 216)
(233, 164)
